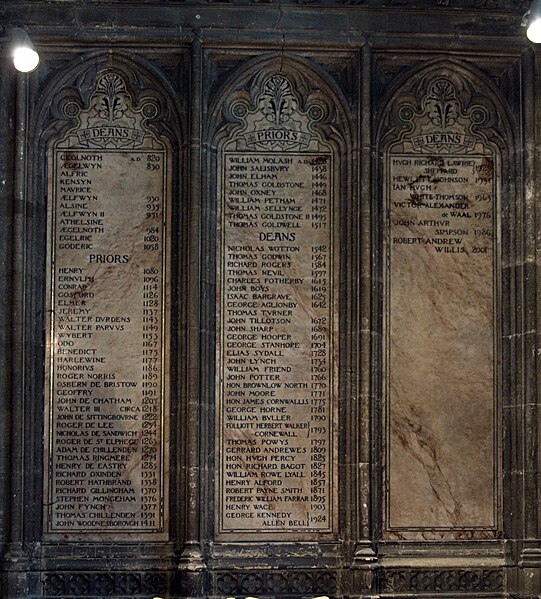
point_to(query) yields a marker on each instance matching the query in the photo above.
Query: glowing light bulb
(534, 31)
(532, 20)
(25, 59)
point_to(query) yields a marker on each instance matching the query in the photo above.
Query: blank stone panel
(441, 190)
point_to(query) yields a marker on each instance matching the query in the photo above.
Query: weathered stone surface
(456, 509)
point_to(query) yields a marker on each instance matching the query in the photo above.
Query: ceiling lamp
(25, 58)
(532, 20)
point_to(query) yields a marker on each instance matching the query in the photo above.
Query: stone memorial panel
(442, 196)
(107, 334)
(277, 331)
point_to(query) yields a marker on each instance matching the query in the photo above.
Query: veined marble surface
(440, 351)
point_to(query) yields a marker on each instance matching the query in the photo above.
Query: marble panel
(277, 333)
(107, 335)
(441, 337)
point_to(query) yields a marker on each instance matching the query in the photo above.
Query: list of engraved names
(106, 342)
(276, 370)
(444, 204)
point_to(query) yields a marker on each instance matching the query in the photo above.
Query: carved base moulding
(442, 580)
(106, 584)
(278, 584)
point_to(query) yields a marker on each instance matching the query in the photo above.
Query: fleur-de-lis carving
(279, 101)
(442, 104)
(111, 97)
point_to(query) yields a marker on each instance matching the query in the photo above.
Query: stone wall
(269, 326)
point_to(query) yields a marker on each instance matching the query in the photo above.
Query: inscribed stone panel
(277, 321)
(106, 464)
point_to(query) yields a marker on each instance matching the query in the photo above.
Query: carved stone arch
(477, 92)
(147, 106)
(283, 108)
(446, 148)
(310, 81)
(73, 87)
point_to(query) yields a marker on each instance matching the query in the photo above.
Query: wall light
(532, 20)
(25, 58)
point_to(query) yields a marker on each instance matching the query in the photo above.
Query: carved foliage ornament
(111, 120)
(275, 120)
(441, 116)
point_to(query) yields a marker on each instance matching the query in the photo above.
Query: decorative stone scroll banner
(106, 406)
(277, 355)
(442, 257)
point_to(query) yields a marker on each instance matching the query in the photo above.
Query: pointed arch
(445, 160)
